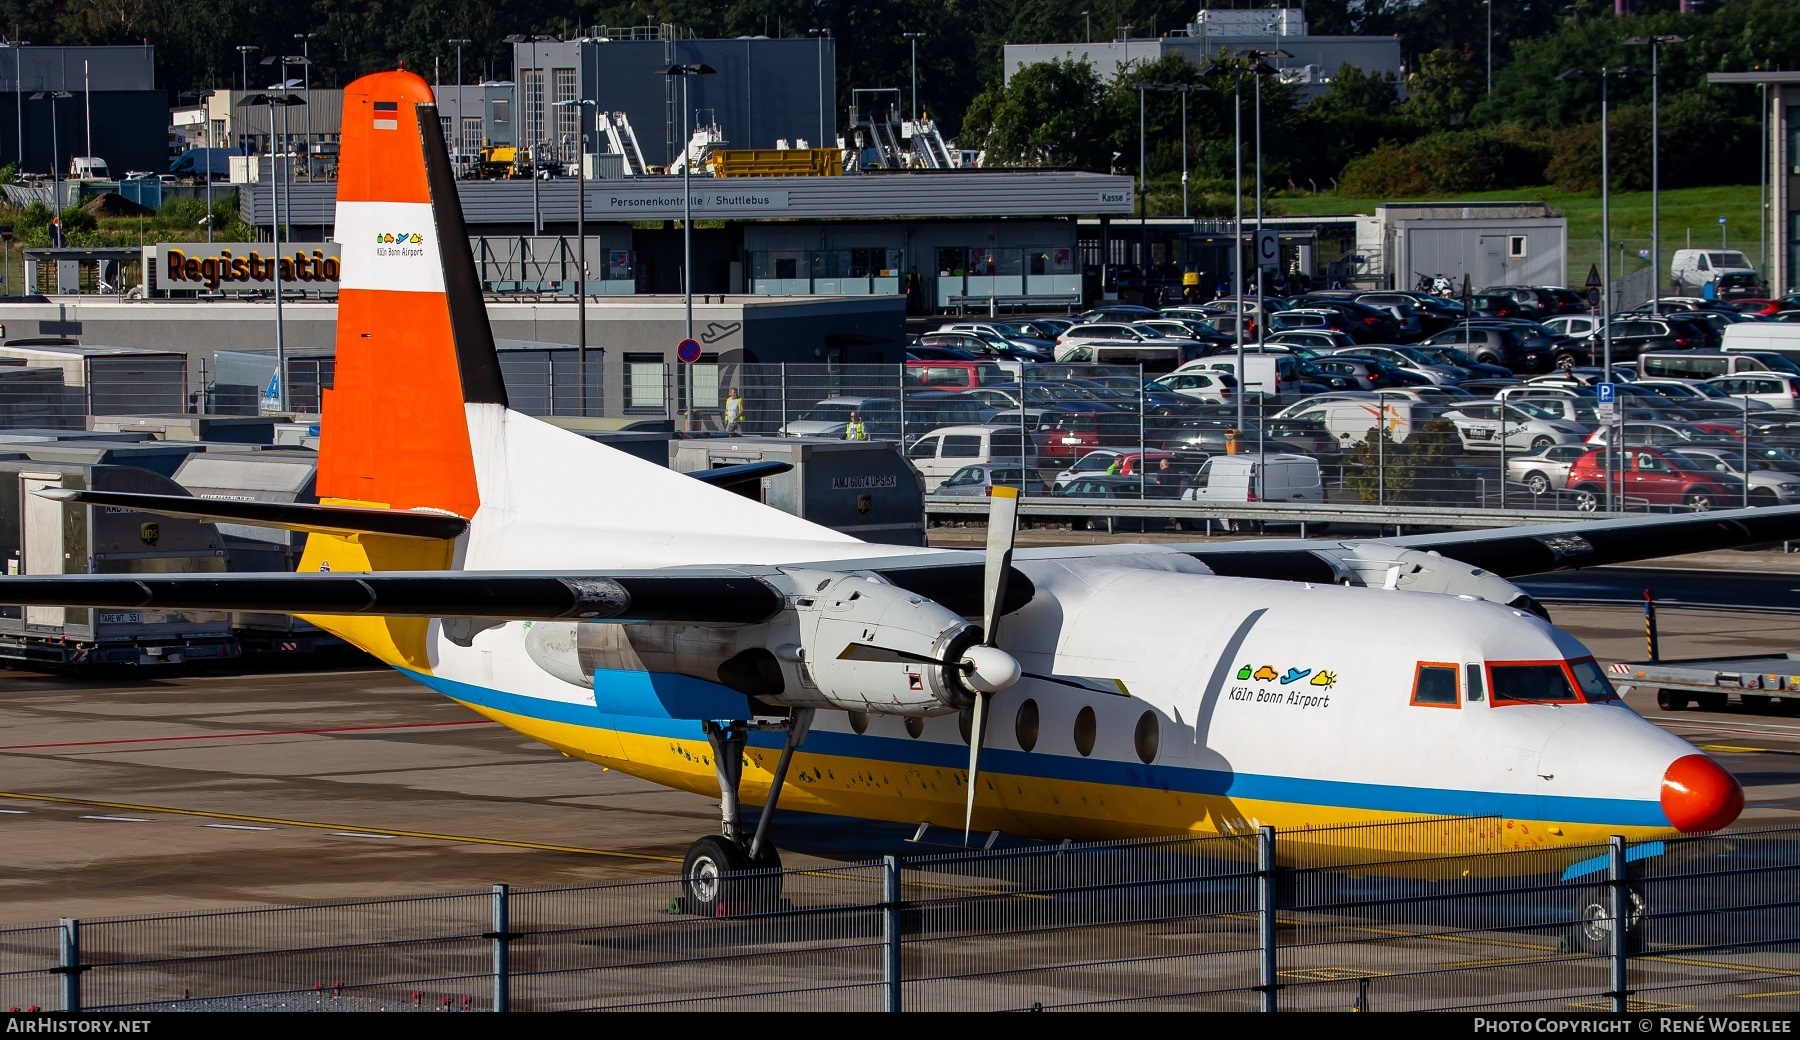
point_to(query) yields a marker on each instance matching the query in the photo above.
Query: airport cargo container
(861, 488)
(110, 380)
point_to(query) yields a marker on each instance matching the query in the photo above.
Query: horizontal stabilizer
(716, 598)
(742, 478)
(287, 516)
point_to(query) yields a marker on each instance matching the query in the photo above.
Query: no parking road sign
(688, 350)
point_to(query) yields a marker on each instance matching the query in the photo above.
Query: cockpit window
(1435, 686)
(1595, 686)
(1527, 683)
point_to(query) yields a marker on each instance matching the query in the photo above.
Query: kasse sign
(245, 266)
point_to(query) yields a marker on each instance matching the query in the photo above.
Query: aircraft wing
(1512, 552)
(708, 596)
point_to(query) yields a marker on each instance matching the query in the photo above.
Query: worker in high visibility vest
(854, 430)
(734, 411)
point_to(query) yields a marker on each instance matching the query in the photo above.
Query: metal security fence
(1425, 915)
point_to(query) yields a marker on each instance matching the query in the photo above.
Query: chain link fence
(1423, 915)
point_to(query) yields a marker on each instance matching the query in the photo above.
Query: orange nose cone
(1698, 795)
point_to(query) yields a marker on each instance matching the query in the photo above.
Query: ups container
(864, 489)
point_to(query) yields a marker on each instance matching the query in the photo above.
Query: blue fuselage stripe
(1432, 801)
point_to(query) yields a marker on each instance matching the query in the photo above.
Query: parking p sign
(1607, 393)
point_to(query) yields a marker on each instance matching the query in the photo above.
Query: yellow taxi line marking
(1731, 749)
(1475, 940)
(1695, 963)
(1777, 993)
(315, 825)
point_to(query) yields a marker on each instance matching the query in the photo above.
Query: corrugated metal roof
(1010, 193)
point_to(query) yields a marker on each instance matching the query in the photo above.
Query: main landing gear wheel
(739, 871)
(708, 873)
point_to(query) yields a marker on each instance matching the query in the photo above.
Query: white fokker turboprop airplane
(644, 620)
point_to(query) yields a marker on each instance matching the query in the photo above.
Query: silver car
(1769, 486)
(974, 480)
(1484, 425)
(1411, 359)
(1545, 471)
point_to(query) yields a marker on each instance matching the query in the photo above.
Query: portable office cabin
(43, 536)
(111, 380)
(860, 488)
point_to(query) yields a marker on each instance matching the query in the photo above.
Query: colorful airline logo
(404, 238)
(1267, 673)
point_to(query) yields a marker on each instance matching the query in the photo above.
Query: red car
(1643, 474)
(1756, 306)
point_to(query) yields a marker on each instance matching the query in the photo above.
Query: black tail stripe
(476, 361)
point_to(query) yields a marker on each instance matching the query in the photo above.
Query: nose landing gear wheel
(1593, 925)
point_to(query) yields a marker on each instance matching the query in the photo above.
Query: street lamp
(581, 267)
(56, 206)
(1246, 61)
(244, 50)
(306, 88)
(458, 44)
(1571, 75)
(1088, 18)
(272, 101)
(915, 38)
(821, 35)
(18, 49)
(534, 126)
(1655, 44)
(685, 72)
(1489, 5)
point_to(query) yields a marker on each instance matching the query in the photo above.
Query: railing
(1424, 915)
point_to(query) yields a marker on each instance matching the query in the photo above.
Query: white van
(942, 452)
(1257, 478)
(1763, 337)
(1254, 478)
(1261, 375)
(88, 168)
(1694, 269)
(1351, 418)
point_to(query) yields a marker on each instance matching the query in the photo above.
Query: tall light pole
(272, 101)
(56, 206)
(1655, 44)
(1606, 308)
(1184, 88)
(459, 44)
(1260, 68)
(1489, 5)
(581, 268)
(306, 93)
(533, 39)
(244, 50)
(18, 49)
(687, 196)
(1763, 196)
(1087, 17)
(820, 35)
(915, 38)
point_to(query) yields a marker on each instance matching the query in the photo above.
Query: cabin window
(1595, 686)
(1025, 727)
(1146, 738)
(1434, 686)
(1530, 682)
(1085, 731)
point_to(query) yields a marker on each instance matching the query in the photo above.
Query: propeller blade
(885, 655)
(1003, 530)
(976, 733)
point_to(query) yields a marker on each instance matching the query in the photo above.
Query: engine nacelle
(850, 623)
(799, 658)
(1378, 565)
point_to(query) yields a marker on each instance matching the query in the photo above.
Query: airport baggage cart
(1761, 682)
